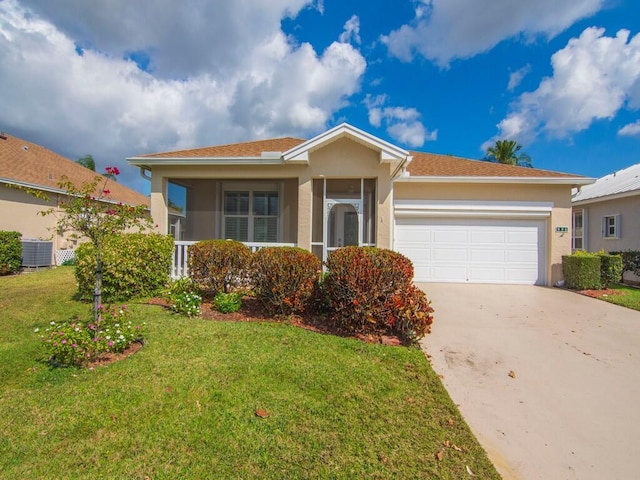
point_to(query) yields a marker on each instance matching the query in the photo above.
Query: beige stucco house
(606, 214)
(26, 165)
(458, 220)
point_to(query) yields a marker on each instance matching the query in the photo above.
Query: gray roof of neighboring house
(625, 181)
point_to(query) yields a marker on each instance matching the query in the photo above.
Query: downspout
(143, 174)
(402, 166)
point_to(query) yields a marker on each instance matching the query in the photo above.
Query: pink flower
(110, 343)
(113, 171)
(63, 341)
(106, 192)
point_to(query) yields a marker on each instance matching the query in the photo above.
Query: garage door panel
(487, 255)
(473, 250)
(449, 236)
(487, 236)
(449, 254)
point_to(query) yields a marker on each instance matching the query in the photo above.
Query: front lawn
(623, 295)
(208, 399)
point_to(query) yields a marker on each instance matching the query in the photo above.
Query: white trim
(456, 208)
(606, 198)
(145, 161)
(477, 179)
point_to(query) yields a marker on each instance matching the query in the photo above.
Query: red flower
(113, 170)
(106, 192)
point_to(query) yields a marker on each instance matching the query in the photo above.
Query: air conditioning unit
(36, 253)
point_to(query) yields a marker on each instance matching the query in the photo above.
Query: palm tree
(88, 162)
(508, 152)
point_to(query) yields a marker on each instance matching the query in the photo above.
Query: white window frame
(611, 230)
(574, 230)
(252, 188)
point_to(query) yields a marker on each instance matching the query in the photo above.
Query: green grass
(626, 296)
(184, 406)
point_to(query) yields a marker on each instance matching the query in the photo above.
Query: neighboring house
(458, 220)
(606, 214)
(27, 165)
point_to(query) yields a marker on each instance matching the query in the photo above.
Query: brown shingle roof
(246, 149)
(26, 162)
(435, 165)
(423, 164)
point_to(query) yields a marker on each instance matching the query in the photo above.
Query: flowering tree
(89, 212)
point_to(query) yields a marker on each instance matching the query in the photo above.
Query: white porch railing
(179, 267)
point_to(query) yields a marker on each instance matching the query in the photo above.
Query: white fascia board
(59, 191)
(605, 198)
(179, 161)
(388, 151)
(530, 180)
(32, 186)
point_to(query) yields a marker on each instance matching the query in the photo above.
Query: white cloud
(631, 129)
(351, 31)
(443, 30)
(98, 103)
(403, 124)
(515, 78)
(594, 76)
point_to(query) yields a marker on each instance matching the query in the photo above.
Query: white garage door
(473, 250)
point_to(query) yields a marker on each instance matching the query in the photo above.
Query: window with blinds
(256, 224)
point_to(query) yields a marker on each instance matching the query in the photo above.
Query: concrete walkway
(571, 407)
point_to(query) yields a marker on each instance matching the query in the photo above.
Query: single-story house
(27, 165)
(458, 220)
(606, 214)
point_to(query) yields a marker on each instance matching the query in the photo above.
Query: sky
(118, 78)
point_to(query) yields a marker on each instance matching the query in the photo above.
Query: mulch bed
(607, 292)
(252, 310)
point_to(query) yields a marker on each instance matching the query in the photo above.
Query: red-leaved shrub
(219, 265)
(360, 284)
(410, 315)
(283, 278)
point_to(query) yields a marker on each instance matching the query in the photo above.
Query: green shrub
(360, 284)
(10, 252)
(611, 269)
(227, 302)
(411, 313)
(134, 264)
(582, 271)
(630, 261)
(219, 265)
(283, 278)
(184, 297)
(74, 343)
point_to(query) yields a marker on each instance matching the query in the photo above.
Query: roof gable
(388, 152)
(28, 164)
(623, 182)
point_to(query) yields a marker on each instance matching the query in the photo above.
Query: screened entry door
(343, 220)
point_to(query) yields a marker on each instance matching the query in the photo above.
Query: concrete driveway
(571, 409)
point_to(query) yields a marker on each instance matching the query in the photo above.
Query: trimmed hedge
(582, 271)
(219, 265)
(283, 278)
(360, 284)
(10, 252)
(630, 261)
(134, 264)
(611, 269)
